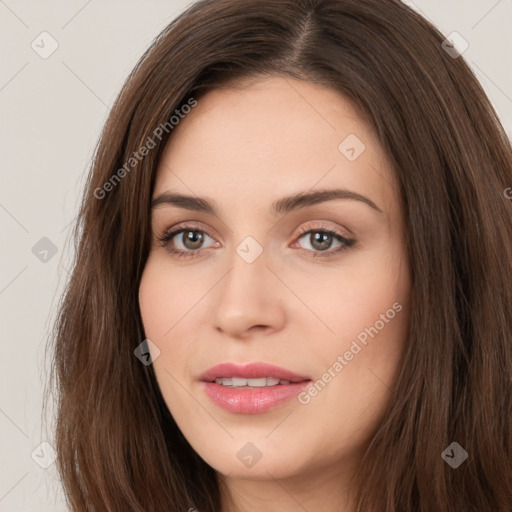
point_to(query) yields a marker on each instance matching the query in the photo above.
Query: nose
(249, 299)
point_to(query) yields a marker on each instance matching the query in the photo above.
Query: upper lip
(250, 371)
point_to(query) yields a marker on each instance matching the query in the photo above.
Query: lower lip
(252, 400)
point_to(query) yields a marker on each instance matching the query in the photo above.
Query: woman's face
(255, 280)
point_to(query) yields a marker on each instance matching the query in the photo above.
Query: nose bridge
(245, 283)
(247, 297)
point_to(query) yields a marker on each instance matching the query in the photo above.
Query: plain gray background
(52, 111)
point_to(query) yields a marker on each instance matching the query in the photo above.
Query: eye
(322, 238)
(188, 238)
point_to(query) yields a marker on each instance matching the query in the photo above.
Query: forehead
(268, 138)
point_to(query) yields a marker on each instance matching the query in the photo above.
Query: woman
(292, 287)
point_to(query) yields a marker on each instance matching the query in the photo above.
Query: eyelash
(168, 235)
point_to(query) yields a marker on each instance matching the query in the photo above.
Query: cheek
(352, 296)
(357, 371)
(161, 309)
(171, 303)
(368, 310)
(152, 302)
(165, 296)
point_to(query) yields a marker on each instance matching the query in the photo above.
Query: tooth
(238, 381)
(257, 383)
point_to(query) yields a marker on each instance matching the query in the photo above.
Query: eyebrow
(281, 206)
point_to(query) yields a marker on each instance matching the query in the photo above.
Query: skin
(244, 147)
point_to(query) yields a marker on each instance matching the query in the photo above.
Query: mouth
(240, 382)
(252, 374)
(253, 388)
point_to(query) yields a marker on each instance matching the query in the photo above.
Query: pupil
(193, 240)
(321, 241)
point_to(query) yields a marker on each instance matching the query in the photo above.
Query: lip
(251, 371)
(252, 400)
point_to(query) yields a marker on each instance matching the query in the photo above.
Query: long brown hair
(118, 447)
